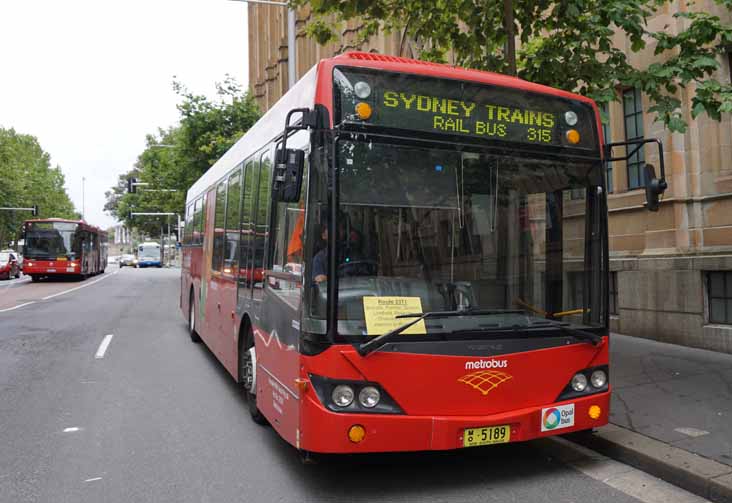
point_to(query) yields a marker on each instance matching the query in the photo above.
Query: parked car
(128, 260)
(9, 267)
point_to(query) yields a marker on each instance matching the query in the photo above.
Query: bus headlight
(352, 396)
(362, 90)
(570, 118)
(369, 397)
(598, 379)
(342, 395)
(579, 382)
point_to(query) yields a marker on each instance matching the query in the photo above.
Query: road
(148, 416)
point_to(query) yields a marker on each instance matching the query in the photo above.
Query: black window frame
(636, 161)
(725, 298)
(612, 288)
(606, 136)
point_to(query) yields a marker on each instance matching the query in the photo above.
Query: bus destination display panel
(412, 102)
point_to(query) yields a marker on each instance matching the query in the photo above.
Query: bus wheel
(248, 377)
(192, 320)
(35, 278)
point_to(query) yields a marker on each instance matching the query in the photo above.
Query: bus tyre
(192, 320)
(246, 371)
(35, 278)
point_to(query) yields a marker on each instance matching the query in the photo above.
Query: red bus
(56, 247)
(405, 256)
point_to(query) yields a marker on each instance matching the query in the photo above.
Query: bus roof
(308, 90)
(83, 223)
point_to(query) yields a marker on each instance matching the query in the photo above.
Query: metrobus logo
(486, 364)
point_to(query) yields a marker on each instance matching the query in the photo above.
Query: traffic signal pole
(33, 209)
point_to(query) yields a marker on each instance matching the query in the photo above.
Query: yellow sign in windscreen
(381, 314)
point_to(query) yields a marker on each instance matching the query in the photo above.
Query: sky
(90, 79)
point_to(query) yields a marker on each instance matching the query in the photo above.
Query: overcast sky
(90, 79)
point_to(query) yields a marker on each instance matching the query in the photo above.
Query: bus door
(226, 280)
(278, 357)
(208, 312)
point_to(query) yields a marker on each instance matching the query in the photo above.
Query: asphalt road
(157, 419)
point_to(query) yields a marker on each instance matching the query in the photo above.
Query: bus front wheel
(192, 320)
(247, 361)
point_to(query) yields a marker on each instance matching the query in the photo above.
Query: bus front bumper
(328, 432)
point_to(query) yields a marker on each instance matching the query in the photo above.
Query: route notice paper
(381, 312)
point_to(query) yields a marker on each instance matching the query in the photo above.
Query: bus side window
(217, 257)
(246, 275)
(262, 213)
(197, 230)
(232, 223)
(188, 226)
(289, 226)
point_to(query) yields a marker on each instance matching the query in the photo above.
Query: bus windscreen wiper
(577, 333)
(379, 341)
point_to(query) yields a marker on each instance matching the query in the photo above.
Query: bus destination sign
(442, 106)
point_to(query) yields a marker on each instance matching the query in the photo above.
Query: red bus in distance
(56, 247)
(406, 256)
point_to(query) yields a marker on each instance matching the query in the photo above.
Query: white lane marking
(93, 479)
(79, 287)
(73, 429)
(103, 346)
(16, 307)
(692, 432)
(624, 478)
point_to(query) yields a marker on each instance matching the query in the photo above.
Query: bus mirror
(654, 187)
(288, 175)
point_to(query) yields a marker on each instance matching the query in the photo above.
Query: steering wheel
(358, 268)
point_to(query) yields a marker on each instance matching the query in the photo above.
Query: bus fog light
(579, 382)
(595, 412)
(570, 118)
(356, 433)
(342, 395)
(362, 90)
(598, 379)
(369, 397)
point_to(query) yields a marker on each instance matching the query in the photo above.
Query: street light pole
(291, 38)
(83, 198)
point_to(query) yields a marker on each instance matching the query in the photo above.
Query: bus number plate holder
(488, 435)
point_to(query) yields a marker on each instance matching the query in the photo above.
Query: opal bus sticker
(556, 418)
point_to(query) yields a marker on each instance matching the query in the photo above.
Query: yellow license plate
(61, 259)
(473, 437)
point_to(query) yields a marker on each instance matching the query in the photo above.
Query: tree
(176, 157)
(28, 179)
(564, 44)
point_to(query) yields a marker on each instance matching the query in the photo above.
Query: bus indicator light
(356, 433)
(363, 110)
(594, 412)
(573, 136)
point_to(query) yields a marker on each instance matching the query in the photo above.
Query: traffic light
(131, 187)
(34, 211)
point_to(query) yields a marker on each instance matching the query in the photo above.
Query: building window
(633, 115)
(719, 293)
(613, 292)
(606, 136)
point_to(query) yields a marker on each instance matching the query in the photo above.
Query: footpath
(671, 414)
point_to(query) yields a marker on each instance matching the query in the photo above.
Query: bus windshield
(149, 251)
(514, 235)
(49, 240)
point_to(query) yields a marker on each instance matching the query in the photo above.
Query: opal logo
(486, 364)
(556, 418)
